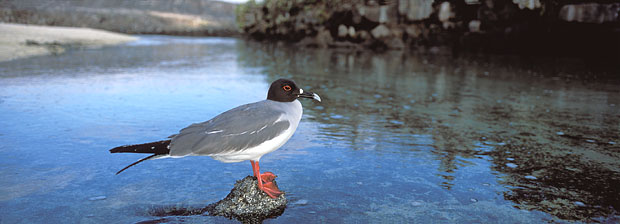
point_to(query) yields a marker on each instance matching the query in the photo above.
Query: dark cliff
(541, 27)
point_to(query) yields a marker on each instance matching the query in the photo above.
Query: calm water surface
(398, 138)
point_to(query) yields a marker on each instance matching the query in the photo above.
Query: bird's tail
(159, 148)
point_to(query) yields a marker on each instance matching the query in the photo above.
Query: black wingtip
(139, 161)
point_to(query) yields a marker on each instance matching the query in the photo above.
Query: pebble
(590, 140)
(473, 200)
(612, 143)
(559, 133)
(510, 159)
(530, 177)
(581, 204)
(97, 198)
(511, 165)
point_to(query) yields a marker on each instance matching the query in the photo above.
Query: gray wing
(234, 130)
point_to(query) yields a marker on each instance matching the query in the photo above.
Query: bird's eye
(287, 88)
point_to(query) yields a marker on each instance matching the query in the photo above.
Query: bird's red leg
(268, 187)
(254, 168)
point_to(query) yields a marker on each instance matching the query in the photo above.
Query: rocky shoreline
(548, 27)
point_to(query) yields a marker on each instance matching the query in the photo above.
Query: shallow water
(398, 137)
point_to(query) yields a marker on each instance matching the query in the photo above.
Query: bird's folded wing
(232, 131)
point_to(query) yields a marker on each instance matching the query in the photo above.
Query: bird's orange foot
(270, 189)
(268, 177)
(265, 181)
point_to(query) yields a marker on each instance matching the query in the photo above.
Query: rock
(590, 13)
(474, 26)
(380, 31)
(249, 19)
(378, 14)
(403, 6)
(530, 4)
(342, 31)
(248, 204)
(416, 10)
(363, 35)
(396, 43)
(445, 14)
(386, 15)
(413, 31)
(324, 38)
(356, 16)
(352, 31)
(245, 202)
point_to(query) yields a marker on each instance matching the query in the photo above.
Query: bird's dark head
(285, 90)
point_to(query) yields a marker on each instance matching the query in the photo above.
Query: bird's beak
(309, 95)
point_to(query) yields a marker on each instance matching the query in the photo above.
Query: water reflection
(550, 131)
(398, 137)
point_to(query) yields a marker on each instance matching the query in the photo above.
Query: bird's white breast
(293, 115)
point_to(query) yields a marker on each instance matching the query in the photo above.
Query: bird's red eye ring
(287, 88)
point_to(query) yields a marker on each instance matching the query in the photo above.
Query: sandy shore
(20, 41)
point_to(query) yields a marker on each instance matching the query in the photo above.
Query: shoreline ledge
(22, 41)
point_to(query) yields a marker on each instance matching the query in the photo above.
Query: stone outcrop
(507, 26)
(248, 204)
(245, 203)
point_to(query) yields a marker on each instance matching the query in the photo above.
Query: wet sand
(20, 41)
